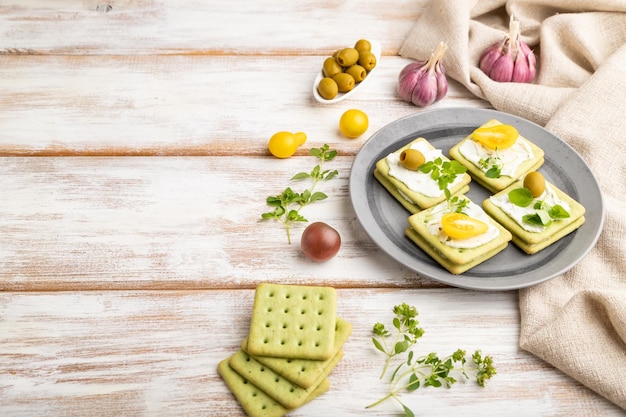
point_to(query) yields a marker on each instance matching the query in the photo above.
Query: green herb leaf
(301, 176)
(539, 218)
(407, 411)
(521, 197)
(378, 345)
(558, 212)
(493, 172)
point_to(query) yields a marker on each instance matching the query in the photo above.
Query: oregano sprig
(445, 173)
(406, 333)
(287, 204)
(429, 370)
(492, 165)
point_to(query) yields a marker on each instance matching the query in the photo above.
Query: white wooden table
(134, 166)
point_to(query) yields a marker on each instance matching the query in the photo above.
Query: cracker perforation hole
(284, 325)
(286, 311)
(303, 311)
(287, 295)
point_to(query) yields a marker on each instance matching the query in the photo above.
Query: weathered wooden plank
(183, 105)
(168, 222)
(155, 353)
(138, 27)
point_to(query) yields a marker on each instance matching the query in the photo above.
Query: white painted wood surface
(134, 172)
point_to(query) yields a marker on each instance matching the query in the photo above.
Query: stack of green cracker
(295, 341)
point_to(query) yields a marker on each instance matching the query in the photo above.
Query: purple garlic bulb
(424, 82)
(509, 60)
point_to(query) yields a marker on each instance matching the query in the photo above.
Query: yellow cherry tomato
(285, 144)
(462, 226)
(353, 123)
(496, 137)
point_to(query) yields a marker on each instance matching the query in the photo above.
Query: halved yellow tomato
(496, 137)
(462, 226)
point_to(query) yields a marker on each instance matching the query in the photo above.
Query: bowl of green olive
(346, 71)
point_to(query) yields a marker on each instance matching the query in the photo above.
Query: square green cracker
(455, 259)
(496, 184)
(413, 199)
(452, 267)
(280, 389)
(254, 401)
(533, 242)
(293, 321)
(306, 373)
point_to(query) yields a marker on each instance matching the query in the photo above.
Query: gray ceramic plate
(385, 220)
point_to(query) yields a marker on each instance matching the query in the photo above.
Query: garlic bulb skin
(509, 60)
(424, 82)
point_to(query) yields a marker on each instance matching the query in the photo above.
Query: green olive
(357, 72)
(363, 45)
(367, 60)
(327, 88)
(347, 57)
(535, 182)
(345, 82)
(331, 67)
(412, 159)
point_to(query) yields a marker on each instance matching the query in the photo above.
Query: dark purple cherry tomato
(320, 242)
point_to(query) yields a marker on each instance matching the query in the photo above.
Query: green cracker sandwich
(457, 254)
(253, 400)
(307, 373)
(496, 169)
(532, 237)
(414, 189)
(293, 321)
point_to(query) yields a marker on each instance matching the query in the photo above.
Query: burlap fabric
(576, 322)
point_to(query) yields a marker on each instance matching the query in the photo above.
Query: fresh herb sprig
(406, 333)
(424, 371)
(445, 173)
(492, 165)
(287, 205)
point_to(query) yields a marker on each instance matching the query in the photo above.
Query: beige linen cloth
(577, 321)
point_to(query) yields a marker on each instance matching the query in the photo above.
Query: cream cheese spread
(472, 210)
(511, 158)
(416, 180)
(517, 213)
